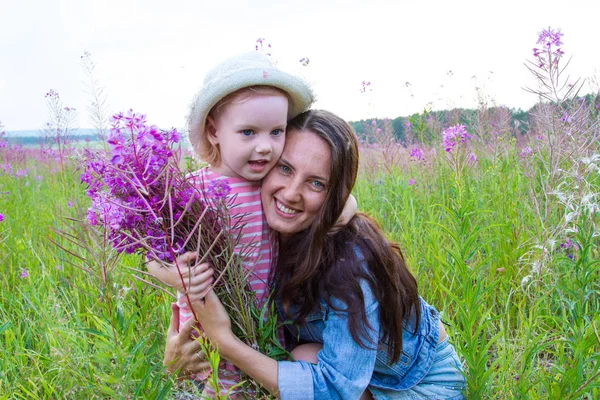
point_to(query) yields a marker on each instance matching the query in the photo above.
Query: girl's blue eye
(285, 169)
(277, 132)
(247, 132)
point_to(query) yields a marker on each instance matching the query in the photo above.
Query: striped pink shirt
(258, 242)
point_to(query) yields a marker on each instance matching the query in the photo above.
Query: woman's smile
(285, 211)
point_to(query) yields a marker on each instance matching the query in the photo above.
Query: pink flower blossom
(416, 154)
(219, 189)
(1, 217)
(454, 136)
(526, 152)
(24, 274)
(550, 53)
(52, 94)
(411, 182)
(566, 118)
(365, 85)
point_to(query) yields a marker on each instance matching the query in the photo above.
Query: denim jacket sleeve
(344, 368)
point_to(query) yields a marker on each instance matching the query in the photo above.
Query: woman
(357, 313)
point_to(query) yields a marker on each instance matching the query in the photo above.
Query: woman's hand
(182, 352)
(215, 322)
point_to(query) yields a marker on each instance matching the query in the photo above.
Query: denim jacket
(345, 369)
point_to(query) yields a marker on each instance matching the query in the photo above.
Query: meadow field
(501, 230)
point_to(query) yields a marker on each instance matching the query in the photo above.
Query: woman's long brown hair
(315, 264)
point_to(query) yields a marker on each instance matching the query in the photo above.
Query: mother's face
(294, 191)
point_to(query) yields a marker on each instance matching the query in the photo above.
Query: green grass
(470, 242)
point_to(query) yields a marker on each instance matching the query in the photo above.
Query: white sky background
(152, 55)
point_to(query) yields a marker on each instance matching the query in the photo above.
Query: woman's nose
(292, 192)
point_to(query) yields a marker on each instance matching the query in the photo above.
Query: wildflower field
(499, 223)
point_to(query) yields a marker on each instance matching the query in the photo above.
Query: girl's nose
(264, 147)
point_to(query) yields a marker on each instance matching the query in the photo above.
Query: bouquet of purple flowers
(144, 199)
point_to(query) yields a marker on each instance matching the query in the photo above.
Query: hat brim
(299, 94)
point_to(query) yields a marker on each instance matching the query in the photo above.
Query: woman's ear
(211, 131)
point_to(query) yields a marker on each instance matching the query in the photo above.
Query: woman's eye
(285, 169)
(318, 185)
(247, 132)
(277, 132)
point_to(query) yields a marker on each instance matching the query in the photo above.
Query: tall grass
(524, 317)
(506, 247)
(473, 248)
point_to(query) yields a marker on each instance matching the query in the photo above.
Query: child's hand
(348, 213)
(197, 278)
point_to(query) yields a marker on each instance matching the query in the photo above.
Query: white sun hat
(245, 70)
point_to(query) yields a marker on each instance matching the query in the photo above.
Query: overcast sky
(151, 55)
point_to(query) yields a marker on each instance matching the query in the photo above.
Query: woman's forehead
(305, 149)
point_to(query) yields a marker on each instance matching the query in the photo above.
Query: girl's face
(250, 134)
(294, 192)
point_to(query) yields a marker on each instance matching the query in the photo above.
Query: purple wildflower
(526, 152)
(567, 244)
(24, 274)
(365, 85)
(550, 37)
(566, 118)
(473, 158)
(70, 204)
(1, 217)
(21, 173)
(59, 267)
(453, 136)
(411, 182)
(7, 168)
(52, 94)
(219, 189)
(550, 53)
(417, 154)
